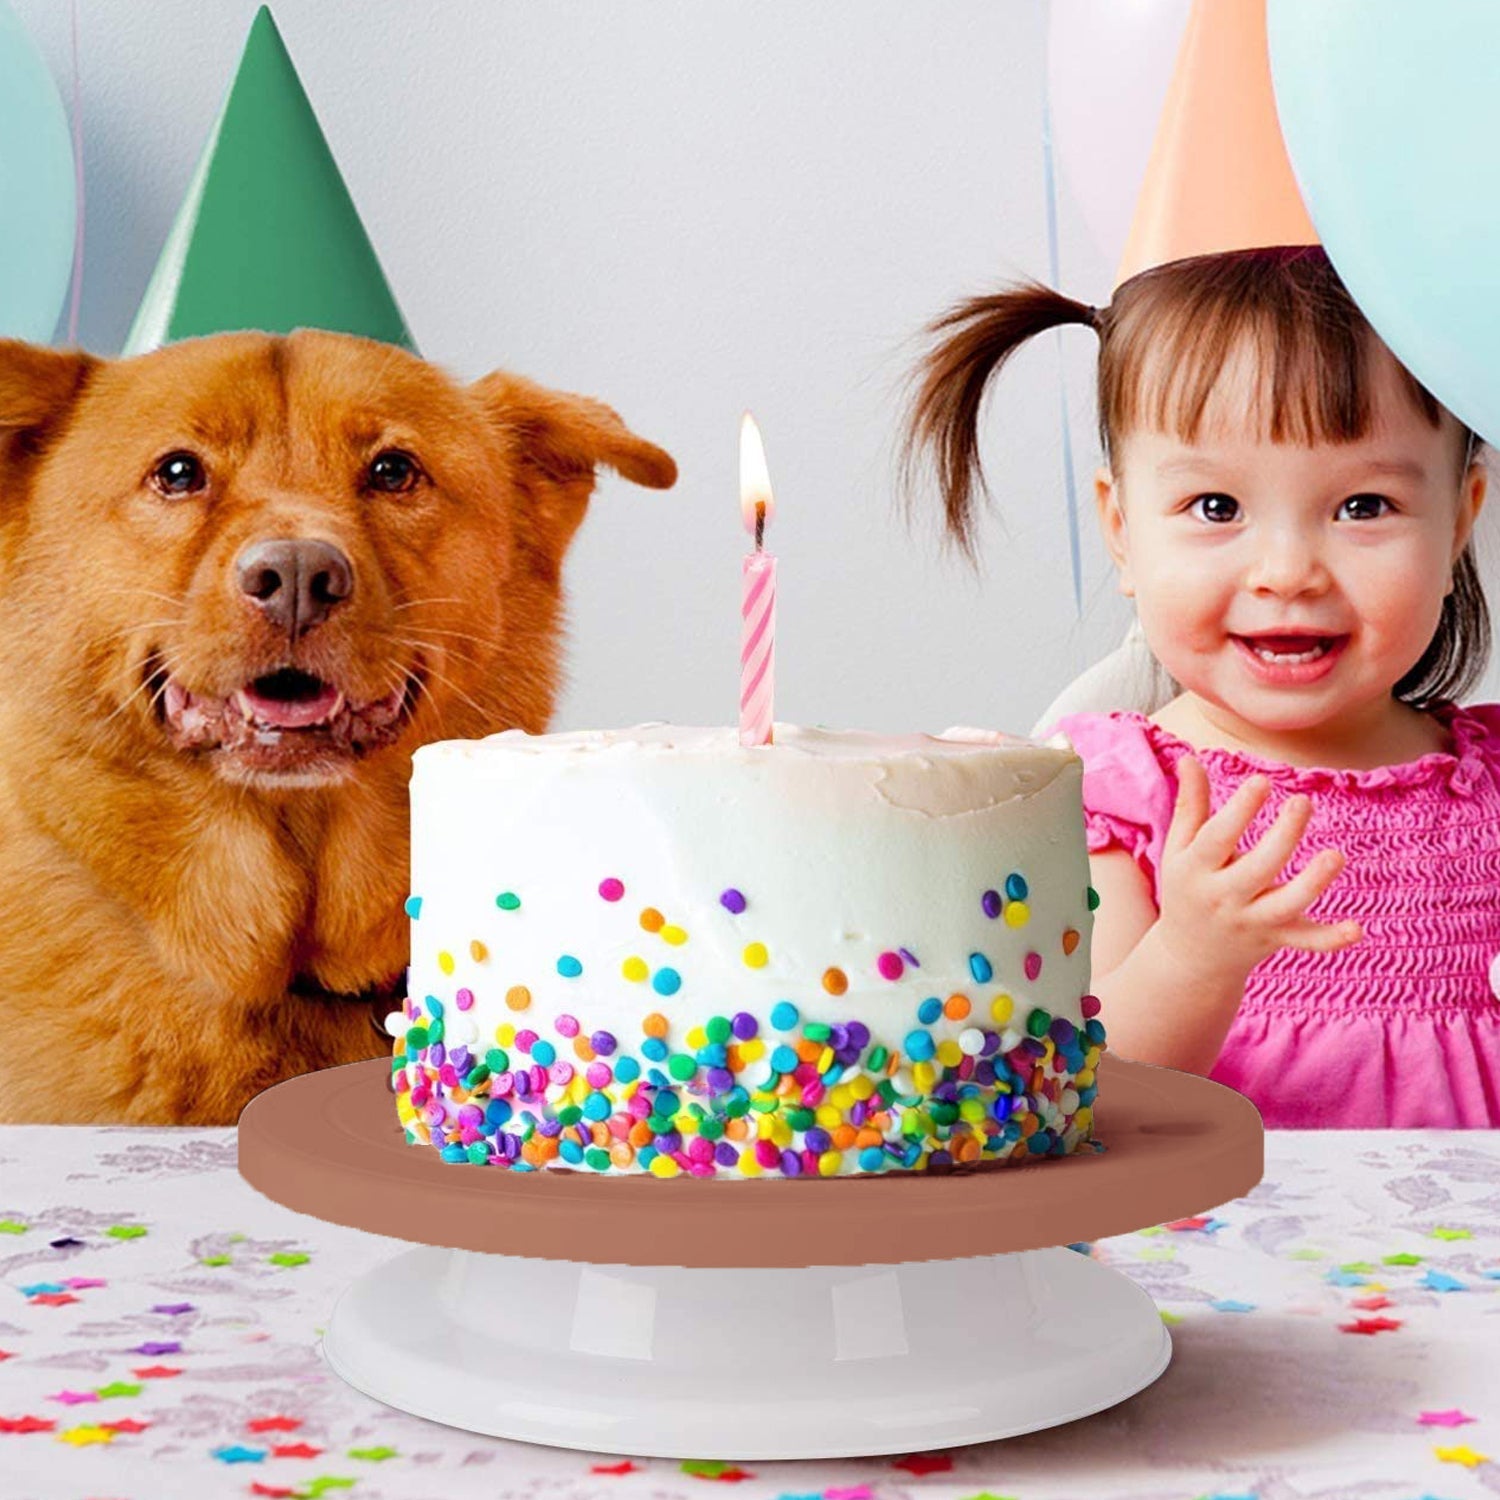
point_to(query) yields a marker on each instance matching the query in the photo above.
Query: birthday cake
(655, 950)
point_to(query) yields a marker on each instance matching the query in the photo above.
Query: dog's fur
(193, 909)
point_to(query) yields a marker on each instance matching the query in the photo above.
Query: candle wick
(760, 525)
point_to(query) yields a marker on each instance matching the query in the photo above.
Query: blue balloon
(37, 199)
(1391, 113)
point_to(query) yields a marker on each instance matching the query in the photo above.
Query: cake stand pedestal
(687, 1318)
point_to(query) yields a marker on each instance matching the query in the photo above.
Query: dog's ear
(560, 440)
(37, 385)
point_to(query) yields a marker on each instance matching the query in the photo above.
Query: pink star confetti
(83, 1283)
(74, 1398)
(1451, 1418)
(6, 1354)
(849, 1492)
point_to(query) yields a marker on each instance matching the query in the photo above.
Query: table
(160, 1322)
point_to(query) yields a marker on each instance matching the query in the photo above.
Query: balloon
(37, 200)
(1108, 66)
(1392, 120)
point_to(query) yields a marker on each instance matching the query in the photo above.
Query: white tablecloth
(1337, 1335)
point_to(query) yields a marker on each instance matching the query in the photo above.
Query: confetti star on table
(289, 1258)
(26, 1424)
(81, 1437)
(38, 1288)
(295, 1450)
(1462, 1454)
(125, 1231)
(116, 1388)
(12, 1226)
(713, 1469)
(84, 1283)
(623, 1467)
(274, 1424)
(1370, 1325)
(74, 1398)
(1441, 1281)
(1306, 1254)
(1196, 1221)
(216, 1260)
(1404, 1258)
(126, 1424)
(925, 1463)
(1170, 1318)
(236, 1453)
(52, 1299)
(1340, 1277)
(1229, 1305)
(1442, 1232)
(275, 1491)
(849, 1492)
(1358, 1267)
(1453, 1417)
(173, 1308)
(158, 1346)
(315, 1487)
(1371, 1304)
(156, 1372)
(376, 1455)
(6, 1354)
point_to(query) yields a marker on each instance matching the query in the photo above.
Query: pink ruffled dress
(1403, 1028)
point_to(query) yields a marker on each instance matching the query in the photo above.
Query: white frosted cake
(654, 950)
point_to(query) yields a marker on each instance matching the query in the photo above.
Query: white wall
(688, 208)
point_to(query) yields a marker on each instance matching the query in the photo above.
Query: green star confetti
(1405, 1258)
(373, 1455)
(125, 1231)
(116, 1388)
(12, 1226)
(289, 1258)
(1442, 1232)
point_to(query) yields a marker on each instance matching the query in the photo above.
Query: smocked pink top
(1403, 1028)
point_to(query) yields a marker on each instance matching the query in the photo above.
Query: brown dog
(243, 578)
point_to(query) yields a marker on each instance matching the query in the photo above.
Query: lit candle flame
(757, 505)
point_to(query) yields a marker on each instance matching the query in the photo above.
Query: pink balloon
(1108, 66)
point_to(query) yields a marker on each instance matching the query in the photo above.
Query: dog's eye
(179, 473)
(393, 472)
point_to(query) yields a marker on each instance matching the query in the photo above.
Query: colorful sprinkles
(976, 1075)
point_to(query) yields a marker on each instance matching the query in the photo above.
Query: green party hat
(268, 236)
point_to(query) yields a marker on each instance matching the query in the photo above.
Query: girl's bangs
(1174, 331)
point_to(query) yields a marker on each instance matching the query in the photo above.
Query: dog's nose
(295, 583)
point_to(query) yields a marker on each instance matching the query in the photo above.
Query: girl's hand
(1222, 909)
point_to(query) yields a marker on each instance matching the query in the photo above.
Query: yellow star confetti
(81, 1436)
(1462, 1454)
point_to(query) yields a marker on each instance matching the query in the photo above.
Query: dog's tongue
(291, 713)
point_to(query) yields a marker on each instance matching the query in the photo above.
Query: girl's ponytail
(976, 338)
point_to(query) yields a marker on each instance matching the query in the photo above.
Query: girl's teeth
(1287, 658)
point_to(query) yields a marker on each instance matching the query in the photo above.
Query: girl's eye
(1363, 508)
(179, 473)
(1215, 508)
(393, 472)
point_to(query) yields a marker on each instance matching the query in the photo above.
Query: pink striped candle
(758, 593)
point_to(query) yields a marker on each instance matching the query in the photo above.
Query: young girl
(1298, 858)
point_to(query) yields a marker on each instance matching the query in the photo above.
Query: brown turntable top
(329, 1144)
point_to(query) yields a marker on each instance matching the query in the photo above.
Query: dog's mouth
(288, 722)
